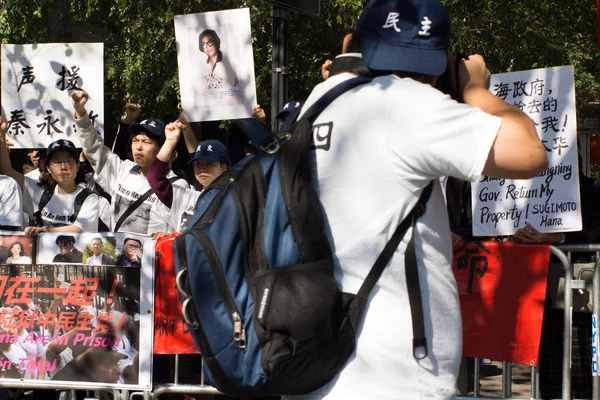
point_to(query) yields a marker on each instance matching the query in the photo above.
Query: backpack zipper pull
(237, 326)
(242, 341)
(239, 333)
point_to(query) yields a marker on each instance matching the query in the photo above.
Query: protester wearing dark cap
(394, 136)
(286, 111)
(56, 201)
(176, 205)
(125, 180)
(69, 254)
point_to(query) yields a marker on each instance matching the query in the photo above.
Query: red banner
(502, 287)
(171, 333)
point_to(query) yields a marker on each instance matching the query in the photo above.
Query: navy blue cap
(151, 127)
(288, 108)
(210, 151)
(61, 144)
(405, 35)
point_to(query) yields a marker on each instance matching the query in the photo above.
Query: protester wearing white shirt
(124, 180)
(11, 204)
(58, 214)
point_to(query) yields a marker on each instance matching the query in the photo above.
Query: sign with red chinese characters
(502, 287)
(171, 333)
(76, 310)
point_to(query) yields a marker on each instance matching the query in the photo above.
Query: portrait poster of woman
(216, 65)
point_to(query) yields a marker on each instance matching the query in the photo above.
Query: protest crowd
(421, 121)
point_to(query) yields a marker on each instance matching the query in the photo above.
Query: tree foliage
(140, 48)
(515, 35)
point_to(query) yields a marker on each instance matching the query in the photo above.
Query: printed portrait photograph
(15, 249)
(216, 65)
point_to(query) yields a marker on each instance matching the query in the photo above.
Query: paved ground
(491, 381)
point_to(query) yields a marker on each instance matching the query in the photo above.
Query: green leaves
(141, 55)
(516, 35)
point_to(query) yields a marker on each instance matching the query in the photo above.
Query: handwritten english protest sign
(76, 310)
(37, 82)
(550, 201)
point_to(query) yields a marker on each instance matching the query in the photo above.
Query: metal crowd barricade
(176, 387)
(562, 252)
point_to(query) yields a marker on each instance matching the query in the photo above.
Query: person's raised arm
(258, 113)
(157, 173)
(132, 113)
(517, 152)
(5, 165)
(121, 144)
(93, 147)
(172, 134)
(188, 134)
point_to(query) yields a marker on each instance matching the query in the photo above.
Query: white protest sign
(37, 82)
(216, 65)
(550, 201)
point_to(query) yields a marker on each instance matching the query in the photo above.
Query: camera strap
(349, 63)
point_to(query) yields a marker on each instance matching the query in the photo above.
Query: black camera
(448, 82)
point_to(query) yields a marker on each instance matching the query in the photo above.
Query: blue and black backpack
(255, 271)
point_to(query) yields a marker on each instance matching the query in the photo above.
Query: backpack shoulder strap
(138, 203)
(295, 177)
(36, 218)
(315, 109)
(102, 193)
(45, 199)
(412, 274)
(79, 200)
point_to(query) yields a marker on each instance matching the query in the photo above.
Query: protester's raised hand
(3, 131)
(183, 120)
(173, 130)
(3, 128)
(325, 69)
(35, 157)
(473, 73)
(79, 99)
(132, 112)
(258, 113)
